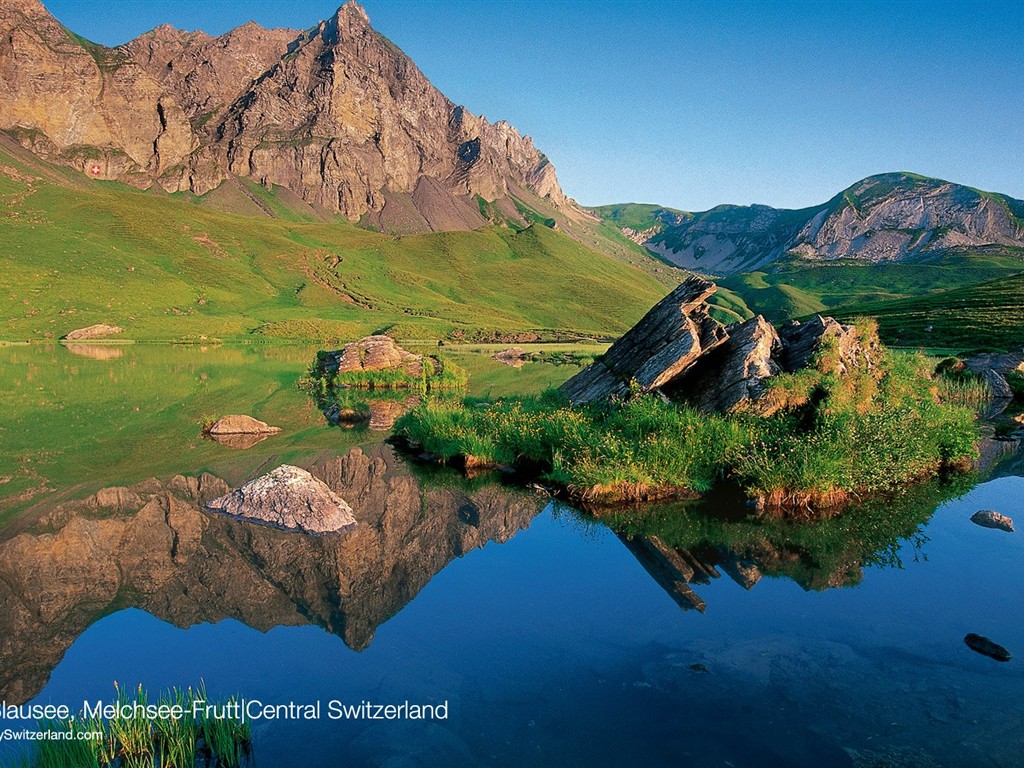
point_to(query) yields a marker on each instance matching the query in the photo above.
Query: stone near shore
(986, 647)
(993, 369)
(661, 347)
(240, 425)
(289, 498)
(372, 353)
(986, 518)
(98, 331)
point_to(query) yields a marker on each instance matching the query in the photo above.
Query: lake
(672, 636)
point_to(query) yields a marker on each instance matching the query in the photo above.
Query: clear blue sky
(691, 104)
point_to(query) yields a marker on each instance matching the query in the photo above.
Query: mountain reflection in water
(151, 546)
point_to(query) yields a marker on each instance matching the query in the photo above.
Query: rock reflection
(95, 351)
(683, 545)
(151, 546)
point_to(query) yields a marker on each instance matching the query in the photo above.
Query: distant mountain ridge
(888, 218)
(336, 114)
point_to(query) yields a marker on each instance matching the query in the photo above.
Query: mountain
(336, 115)
(76, 251)
(886, 219)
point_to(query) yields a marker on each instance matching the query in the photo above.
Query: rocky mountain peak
(338, 115)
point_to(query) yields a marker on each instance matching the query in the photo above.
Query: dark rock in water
(986, 647)
(372, 353)
(98, 331)
(658, 349)
(240, 425)
(989, 519)
(734, 374)
(701, 668)
(289, 498)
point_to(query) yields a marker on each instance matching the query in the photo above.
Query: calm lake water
(681, 640)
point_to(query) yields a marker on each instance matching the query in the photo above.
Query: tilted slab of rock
(373, 353)
(289, 498)
(241, 425)
(662, 346)
(98, 331)
(733, 375)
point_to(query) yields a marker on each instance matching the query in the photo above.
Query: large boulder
(662, 346)
(1009, 362)
(372, 353)
(732, 376)
(97, 331)
(289, 498)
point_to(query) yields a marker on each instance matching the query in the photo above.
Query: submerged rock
(989, 519)
(986, 647)
(289, 498)
(662, 346)
(240, 425)
(97, 331)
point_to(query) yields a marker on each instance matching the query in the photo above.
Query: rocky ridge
(336, 114)
(892, 217)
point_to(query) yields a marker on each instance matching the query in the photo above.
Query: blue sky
(691, 104)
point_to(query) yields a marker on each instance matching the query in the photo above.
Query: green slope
(77, 252)
(799, 288)
(989, 315)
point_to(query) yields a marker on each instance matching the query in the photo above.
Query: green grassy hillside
(987, 315)
(76, 252)
(799, 288)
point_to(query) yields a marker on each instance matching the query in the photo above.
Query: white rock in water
(289, 498)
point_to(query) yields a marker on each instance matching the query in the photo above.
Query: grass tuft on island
(839, 437)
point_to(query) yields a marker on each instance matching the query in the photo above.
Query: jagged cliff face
(153, 547)
(337, 114)
(888, 218)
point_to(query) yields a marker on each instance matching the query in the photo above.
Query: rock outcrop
(661, 347)
(681, 351)
(289, 498)
(337, 114)
(98, 331)
(372, 353)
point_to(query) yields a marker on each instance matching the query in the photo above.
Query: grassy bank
(168, 269)
(835, 438)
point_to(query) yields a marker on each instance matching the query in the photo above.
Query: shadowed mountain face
(894, 217)
(337, 114)
(152, 546)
